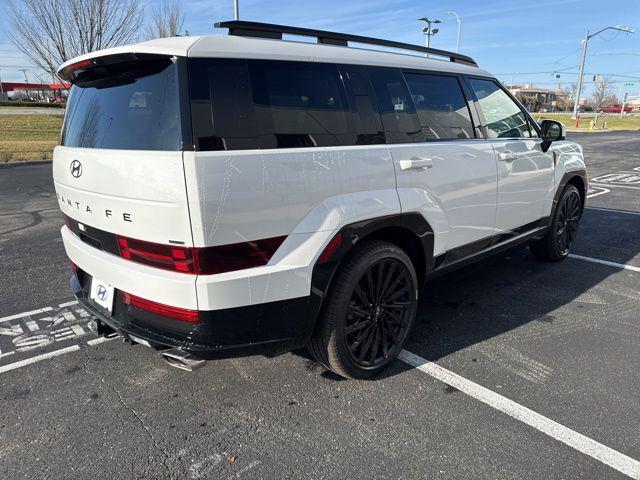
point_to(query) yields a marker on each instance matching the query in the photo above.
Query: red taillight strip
(203, 261)
(182, 314)
(169, 257)
(237, 256)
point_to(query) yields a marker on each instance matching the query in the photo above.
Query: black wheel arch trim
(564, 181)
(352, 234)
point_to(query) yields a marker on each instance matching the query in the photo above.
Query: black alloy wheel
(568, 220)
(556, 244)
(369, 311)
(378, 313)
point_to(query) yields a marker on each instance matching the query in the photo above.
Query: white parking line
(573, 439)
(602, 192)
(99, 340)
(38, 358)
(68, 304)
(605, 262)
(25, 314)
(614, 185)
(613, 210)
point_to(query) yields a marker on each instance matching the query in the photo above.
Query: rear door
(119, 168)
(441, 167)
(525, 172)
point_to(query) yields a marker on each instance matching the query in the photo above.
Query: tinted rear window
(128, 106)
(240, 104)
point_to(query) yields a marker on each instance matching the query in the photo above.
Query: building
(537, 98)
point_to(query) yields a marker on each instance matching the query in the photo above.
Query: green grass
(28, 137)
(614, 122)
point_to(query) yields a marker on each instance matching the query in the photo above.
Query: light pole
(459, 26)
(428, 31)
(583, 58)
(236, 10)
(26, 80)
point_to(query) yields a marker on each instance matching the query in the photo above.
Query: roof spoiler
(269, 30)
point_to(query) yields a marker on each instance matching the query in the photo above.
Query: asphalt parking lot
(516, 369)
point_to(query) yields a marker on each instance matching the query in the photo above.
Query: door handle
(507, 156)
(416, 163)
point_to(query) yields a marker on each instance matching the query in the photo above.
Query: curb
(24, 164)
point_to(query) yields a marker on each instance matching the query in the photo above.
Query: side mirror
(551, 132)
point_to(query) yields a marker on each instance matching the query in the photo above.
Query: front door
(525, 172)
(442, 170)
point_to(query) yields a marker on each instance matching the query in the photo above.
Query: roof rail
(269, 30)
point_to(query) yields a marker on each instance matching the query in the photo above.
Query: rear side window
(502, 116)
(399, 117)
(131, 106)
(441, 107)
(368, 124)
(244, 104)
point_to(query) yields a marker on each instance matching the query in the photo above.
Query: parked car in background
(615, 109)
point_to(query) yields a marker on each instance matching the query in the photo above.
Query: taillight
(169, 257)
(236, 256)
(183, 314)
(204, 261)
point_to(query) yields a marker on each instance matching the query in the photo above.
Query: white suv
(247, 194)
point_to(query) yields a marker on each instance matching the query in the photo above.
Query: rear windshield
(133, 106)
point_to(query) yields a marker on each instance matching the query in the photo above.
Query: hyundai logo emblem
(76, 168)
(102, 292)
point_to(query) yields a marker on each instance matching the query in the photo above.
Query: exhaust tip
(178, 358)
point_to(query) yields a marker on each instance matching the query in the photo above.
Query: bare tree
(604, 93)
(166, 20)
(573, 90)
(50, 32)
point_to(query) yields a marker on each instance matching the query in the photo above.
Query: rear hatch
(119, 167)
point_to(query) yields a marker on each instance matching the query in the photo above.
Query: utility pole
(428, 31)
(26, 80)
(236, 10)
(624, 102)
(459, 22)
(1, 87)
(583, 58)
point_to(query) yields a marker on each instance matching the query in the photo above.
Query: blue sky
(519, 41)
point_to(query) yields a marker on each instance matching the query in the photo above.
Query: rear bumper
(267, 328)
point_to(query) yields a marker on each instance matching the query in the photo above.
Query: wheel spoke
(400, 320)
(356, 327)
(357, 311)
(362, 296)
(367, 343)
(397, 294)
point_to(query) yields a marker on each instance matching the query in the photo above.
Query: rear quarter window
(245, 104)
(133, 106)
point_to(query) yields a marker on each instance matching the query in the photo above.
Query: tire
(556, 244)
(368, 313)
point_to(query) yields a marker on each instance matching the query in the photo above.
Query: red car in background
(615, 109)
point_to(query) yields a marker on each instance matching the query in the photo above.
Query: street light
(236, 10)
(587, 37)
(428, 30)
(459, 22)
